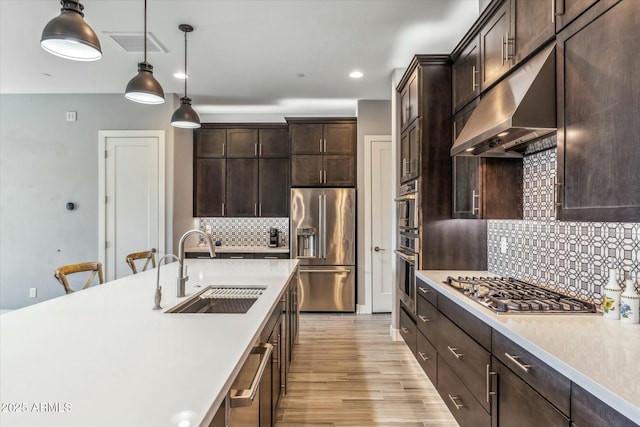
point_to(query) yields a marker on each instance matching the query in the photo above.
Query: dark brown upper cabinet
(516, 30)
(209, 187)
(273, 187)
(242, 143)
(323, 152)
(410, 152)
(274, 143)
(466, 74)
(410, 109)
(210, 143)
(598, 110)
(567, 10)
(242, 188)
(496, 46)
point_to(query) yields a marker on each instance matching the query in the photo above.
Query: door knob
(378, 249)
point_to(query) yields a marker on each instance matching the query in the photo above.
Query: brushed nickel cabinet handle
(553, 11)
(516, 360)
(474, 84)
(244, 397)
(424, 319)
(454, 400)
(454, 351)
(255, 149)
(489, 392)
(320, 179)
(223, 209)
(260, 150)
(320, 149)
(556, 192)
(422, 356)
(424, 290)
(260, 209)
(325, 145)
(502, 50)
(475, 207)
(255, 209)
(404, 330)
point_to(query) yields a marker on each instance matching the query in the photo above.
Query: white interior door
(382, 229)
(133, 203)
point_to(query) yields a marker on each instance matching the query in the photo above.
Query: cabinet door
(414, 150)
(306, 171)
(501, 188)
(339, 138)
(209, 187)
(598, 110)
(408, 331)
(466, 187)
(339, 171)
(466, 75)
(306, 138)
(409, 100)
(235, 255)
(242, 187)
(404, 156)
(242, 143)
(210, 142)
(496, 46)
(534, 26)
(274, 188)
(568, 10)
(517, 404)
(427, 357)
(274, 143)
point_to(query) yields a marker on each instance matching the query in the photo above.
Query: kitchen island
(597, 354)
(103, 357)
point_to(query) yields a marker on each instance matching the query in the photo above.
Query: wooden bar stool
(93, 267)
(149, 256)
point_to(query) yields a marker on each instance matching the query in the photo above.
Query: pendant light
(144, 88)
(68, 36)
(185, 116)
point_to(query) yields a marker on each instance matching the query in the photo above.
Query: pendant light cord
(186, 75)
(145, 30)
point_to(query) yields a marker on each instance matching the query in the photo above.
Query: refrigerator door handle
(324, 226)
(320, 229)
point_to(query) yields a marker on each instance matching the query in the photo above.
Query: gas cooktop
(508, 295)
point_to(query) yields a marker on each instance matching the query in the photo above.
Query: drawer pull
(489, 392)
(422, 356)
(515, 359)
(454, 400)
(454, 350)
(424, 290)
(404, 330)
(424, 319)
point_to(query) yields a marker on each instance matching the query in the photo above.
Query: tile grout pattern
(571, 257)
(244, 231)
(347, 371)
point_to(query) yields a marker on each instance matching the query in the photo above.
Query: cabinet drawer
(589, 411)
(466, 410)
(547, 381)
(426, 291)
(267, 255)
(233, 255)
(517, 404)
(478, 330)
(466, 357)
(427, 357)
(408, 330)
(427, 319)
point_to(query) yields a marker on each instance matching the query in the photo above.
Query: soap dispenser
(630, 301)
(611, 295)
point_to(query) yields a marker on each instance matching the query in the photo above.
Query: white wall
(46, 162)
(374, 118)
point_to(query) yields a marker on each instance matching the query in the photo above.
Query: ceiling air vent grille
(133, 42)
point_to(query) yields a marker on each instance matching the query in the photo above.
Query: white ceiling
(244, 55)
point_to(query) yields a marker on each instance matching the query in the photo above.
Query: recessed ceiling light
(356, 74)
(181, 75)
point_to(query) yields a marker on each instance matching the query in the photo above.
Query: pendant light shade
(185, 116)
(144, 88)
(69, 36)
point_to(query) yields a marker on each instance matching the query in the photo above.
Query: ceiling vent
(133, 42)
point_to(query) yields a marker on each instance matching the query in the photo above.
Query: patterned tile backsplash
(571, 257)
(244, 231)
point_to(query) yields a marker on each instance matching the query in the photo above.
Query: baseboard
(395, 333)
(362, 309)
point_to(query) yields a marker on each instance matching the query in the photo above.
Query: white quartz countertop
(103, 357)
(601, 355)
(240, 249)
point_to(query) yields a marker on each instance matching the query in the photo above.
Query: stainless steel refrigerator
(323, 238)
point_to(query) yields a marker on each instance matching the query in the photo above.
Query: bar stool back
(149, 256)
(93, 267)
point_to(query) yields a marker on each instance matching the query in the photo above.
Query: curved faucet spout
(182, 274)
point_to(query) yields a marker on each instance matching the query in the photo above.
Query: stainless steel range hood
(518, 110)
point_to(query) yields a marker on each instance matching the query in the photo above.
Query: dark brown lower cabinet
(427, 357)
(460, 401)
(408, 330)
(517, 404)
(589, 411)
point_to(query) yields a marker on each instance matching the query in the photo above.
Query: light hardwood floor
(348, 372)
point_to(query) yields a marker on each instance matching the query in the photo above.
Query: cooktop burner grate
(509, 295)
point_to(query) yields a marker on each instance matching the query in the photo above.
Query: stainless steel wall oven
(408, 251)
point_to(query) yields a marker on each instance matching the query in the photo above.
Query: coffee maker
(273, 237)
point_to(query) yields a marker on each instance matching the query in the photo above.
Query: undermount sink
(220, 299)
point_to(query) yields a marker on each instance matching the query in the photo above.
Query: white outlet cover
(33, 292)
(71, 116)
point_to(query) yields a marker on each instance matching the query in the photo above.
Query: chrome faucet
(158, 296)
(182, 272)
